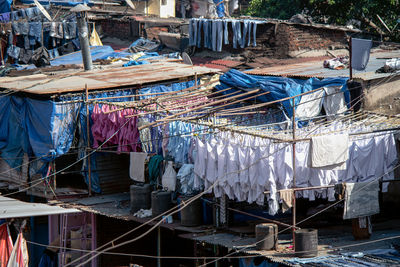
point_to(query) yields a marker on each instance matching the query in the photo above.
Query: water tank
(140, 197)
(266, 236)
(192, 214)
(160, 202)
(306, 243)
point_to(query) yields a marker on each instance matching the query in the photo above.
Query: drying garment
(360, 50)
(13, 51)
(35, 30)
(106, 124)
(286, 196)
(94, 39)
(198, 40)
(334, 102)
(5, 17)
(226, 32)
(69, 29)
(155, 168)
(19, 256)
(186, 179)
(237, 33)
(310, 105)
(179, 141)
(136, 166)
(56, 30)
(6, 245)
(329, 150)
(25, 56)
(200, 165)
(361, 199)
(246, 31)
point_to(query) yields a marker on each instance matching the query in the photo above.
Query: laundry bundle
(114, 126)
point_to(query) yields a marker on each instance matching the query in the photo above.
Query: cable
(188, 202)
(308, 218)
(211, 257)
(72, 164)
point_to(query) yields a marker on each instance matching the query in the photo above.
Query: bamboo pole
(88, 140)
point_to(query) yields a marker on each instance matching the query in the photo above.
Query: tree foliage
(340, 12)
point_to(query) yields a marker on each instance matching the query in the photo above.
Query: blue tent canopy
(279, 87)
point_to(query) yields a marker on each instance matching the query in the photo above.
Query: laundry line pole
(294, 172)
(88, 140)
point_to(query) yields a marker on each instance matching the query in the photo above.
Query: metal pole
(294, 171)
(159, 246)
(83, 35)
(94, 237)
(350, 55)
(88, 140)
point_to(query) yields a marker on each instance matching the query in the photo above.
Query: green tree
(338, 12)
(274, 8)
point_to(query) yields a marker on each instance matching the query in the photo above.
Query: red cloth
(6, 245)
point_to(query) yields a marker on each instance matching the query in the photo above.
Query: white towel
(136, 166)
(329, 150)
(286, 196)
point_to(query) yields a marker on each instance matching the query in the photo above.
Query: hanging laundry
(334, 102)
(186, 179)
(95, 38)
(19, 256)
(310, 105)
(329, 150)
(136, 166)
(286, 196)
(361, 199)
(6, 245)
(106, 123)
(155, 168)
(360, 50)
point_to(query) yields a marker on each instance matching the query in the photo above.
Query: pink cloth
(105, 125)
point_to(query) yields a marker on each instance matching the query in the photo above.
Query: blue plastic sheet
(165, 88)
(59, 2)
(97, 52)
(42, 129)
(5, 6)
(279, 87)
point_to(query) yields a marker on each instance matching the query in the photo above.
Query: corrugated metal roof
(13, 208)
(316, 69)
(102, 79)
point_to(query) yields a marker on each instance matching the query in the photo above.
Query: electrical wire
(215, 257)
(359, 190)
(173, 212)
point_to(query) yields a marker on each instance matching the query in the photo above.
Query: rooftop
(102, 78)
(315, 68)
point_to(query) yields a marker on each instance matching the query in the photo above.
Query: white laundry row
(244, 166)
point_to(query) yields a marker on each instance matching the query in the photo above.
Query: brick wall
(280, 40)
(115, 28)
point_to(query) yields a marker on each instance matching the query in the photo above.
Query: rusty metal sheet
(103, 79)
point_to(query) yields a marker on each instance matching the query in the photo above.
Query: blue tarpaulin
(58, 2)
(97, 52)
(5, 6)
(41, 129)
(279, 87)
(45, 129)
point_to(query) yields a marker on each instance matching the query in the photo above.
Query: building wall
(282, 40)
(382, 96)
(115, 28)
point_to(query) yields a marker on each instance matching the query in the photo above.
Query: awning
(14, 208)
